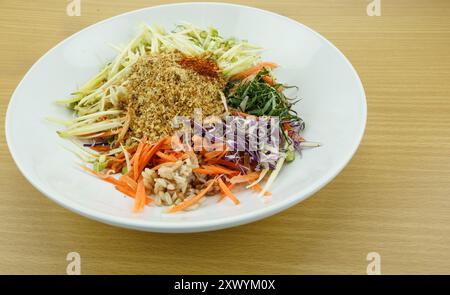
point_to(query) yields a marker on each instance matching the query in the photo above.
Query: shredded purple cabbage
(293, 135)
(243, 137)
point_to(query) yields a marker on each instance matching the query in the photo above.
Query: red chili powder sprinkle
(205, 67)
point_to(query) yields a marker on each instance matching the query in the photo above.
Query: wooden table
(393, 198)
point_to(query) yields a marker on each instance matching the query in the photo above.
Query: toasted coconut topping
(160, 88)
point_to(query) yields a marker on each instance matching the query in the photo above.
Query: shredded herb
(257, 97)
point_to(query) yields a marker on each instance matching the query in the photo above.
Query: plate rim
(190, 226)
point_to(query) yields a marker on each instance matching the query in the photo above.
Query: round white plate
(333, 106)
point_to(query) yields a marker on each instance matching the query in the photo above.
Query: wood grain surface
(393, 198)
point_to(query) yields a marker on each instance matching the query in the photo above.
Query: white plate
(333, 106)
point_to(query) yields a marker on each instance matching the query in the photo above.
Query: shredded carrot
(130, 174)
(141, 196)
(159, 154)
(218, 158)
(146, 158)
(191, 201)
(227, 164)
(106, 178)
(126, 190)
(268, 80)
(167, 140)
(180, 155)
(216, 155)
(205, 171)
(222, 194)
(219, 168)
(222, 154)
(211, 155)
(245, 115)
(100, 148)
(166, 147)
(131, 193)
(128, 181)
(116, 166)
(214, 170)
(137, 157)
(228, 192)
(109, 133)
(245, 178)
(146, 149)
(115, 160)
(138, 151)
(287, 126)
(166, 157)
(175, 154)
(258, 188)
(254, 69)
